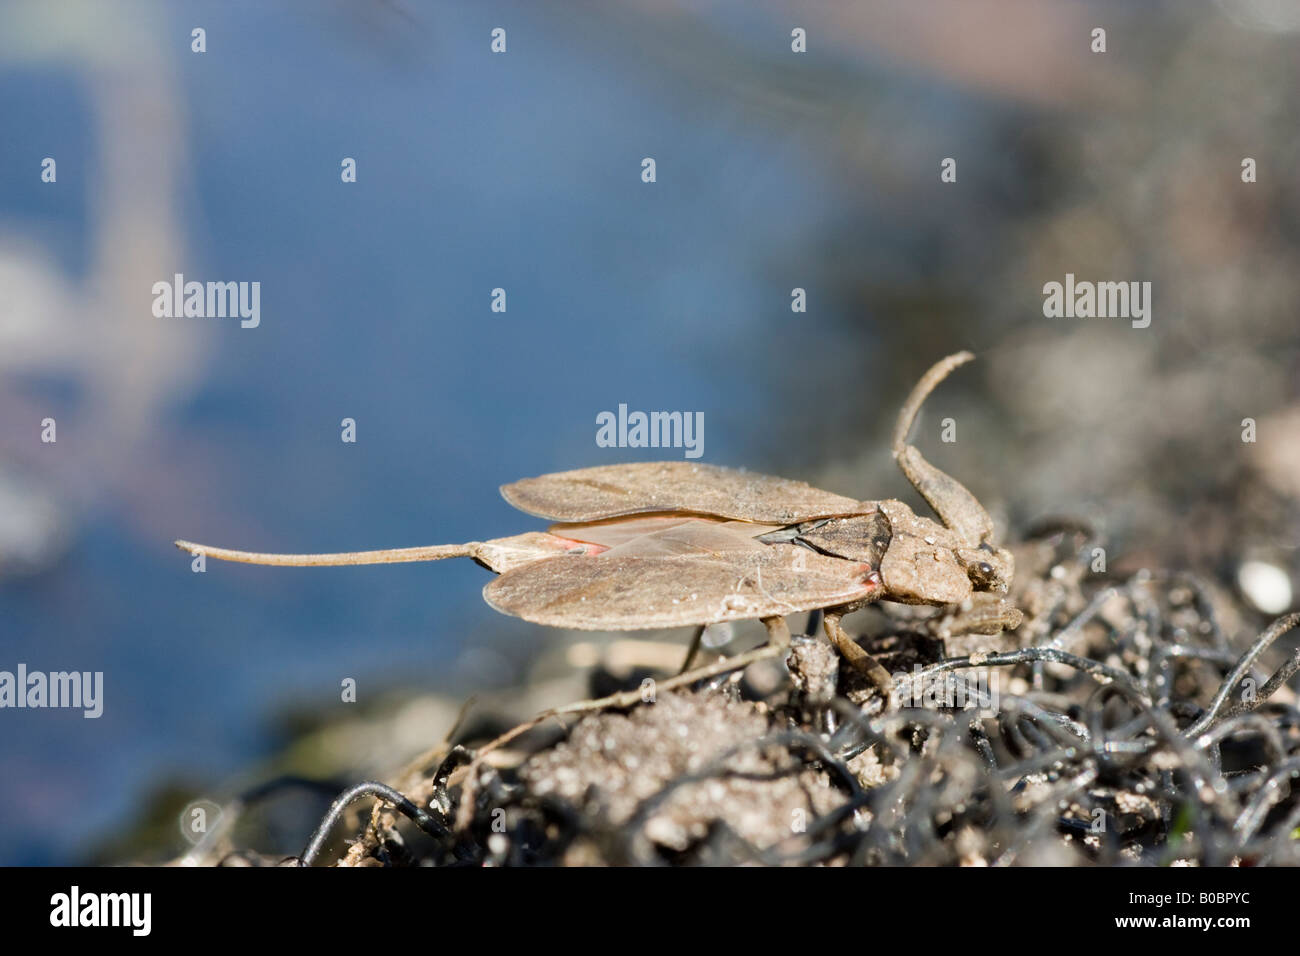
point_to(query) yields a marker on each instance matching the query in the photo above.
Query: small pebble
(1265, 585)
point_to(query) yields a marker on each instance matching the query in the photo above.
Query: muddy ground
(1135, 717)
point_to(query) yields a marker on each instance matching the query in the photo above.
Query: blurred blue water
(475, 171)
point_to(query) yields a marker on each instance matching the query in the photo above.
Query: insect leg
(959, 510)
(814, 622)
(778, 636)
(778, 632)
(853, 653)
(694, 649)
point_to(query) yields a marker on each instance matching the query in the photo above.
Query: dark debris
(1121, 724)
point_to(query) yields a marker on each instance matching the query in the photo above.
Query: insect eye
(986, 568)
(985, 546)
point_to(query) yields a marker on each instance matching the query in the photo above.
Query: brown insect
(666, 544)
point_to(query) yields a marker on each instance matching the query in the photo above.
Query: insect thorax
(862, 538)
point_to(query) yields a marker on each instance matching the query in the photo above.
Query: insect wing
(607, 491)
(627, 591)
(666, 534)
(504, 554)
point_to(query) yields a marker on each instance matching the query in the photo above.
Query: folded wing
(628, 591)
(607, 491)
